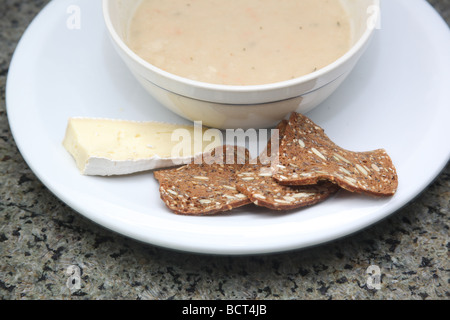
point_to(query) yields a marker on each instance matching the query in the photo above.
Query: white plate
(397, 98)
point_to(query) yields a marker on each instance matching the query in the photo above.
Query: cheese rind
(108, 147)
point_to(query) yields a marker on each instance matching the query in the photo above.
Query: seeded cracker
(257, 183)
(207, 188)
(307, 156)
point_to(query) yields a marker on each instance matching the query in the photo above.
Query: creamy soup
(240, 42)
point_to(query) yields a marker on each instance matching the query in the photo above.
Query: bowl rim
(239, 88)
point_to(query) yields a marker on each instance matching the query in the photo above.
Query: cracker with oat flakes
(257, 183)
(307, 156)
(263, 190)
(207, 188)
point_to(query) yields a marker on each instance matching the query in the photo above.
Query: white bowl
(232, 107)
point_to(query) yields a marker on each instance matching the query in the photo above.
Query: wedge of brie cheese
(107, 147)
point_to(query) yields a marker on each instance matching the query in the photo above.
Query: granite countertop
(41, 239)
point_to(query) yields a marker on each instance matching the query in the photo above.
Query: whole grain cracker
(207, 188)
(257, 183)
(307, 156)
(263, 190)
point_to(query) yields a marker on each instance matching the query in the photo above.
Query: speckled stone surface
(41, 238)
